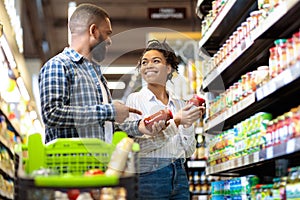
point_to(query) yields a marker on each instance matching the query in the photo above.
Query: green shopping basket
(69, 159)
(67, 155)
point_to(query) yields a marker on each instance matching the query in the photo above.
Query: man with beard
(75, 100)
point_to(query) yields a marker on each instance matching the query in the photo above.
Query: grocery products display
(247, 145)
(8, 137)
(17, 110)
(252, 81)
(199, 183)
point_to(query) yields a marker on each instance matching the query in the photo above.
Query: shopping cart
(65, 160)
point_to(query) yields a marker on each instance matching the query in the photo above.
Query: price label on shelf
(269, 152)
(239, 162)
(290, 146)
(255, 157)
(246, 160)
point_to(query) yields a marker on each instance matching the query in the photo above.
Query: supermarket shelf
(5, 197)
(253, 52)
(217, 123)
(200, 195)
(289, 147)
(6, 174)
(286, 77)
(265, 98)
(233, 12)
(11, 124)
(233, 164)
(7, 145)
(211, 82)
(270, 153)
(196, 163)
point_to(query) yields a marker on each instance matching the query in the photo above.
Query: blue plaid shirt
(71, 98)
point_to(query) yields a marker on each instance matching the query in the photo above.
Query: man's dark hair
(85, 15)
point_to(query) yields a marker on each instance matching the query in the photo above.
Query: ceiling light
(116, 85)
(8, 52)
(23, 89)
(118, 70)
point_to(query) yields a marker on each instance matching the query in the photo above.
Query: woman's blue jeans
(169, 182)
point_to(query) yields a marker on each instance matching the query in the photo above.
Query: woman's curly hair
(166, 50)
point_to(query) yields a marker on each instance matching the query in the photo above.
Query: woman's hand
(188, 115)
(156, 128)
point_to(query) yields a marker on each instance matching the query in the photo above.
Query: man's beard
(99, 52)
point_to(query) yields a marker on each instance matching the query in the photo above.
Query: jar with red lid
(232, 43)
(244, 85)
(221, 54)
(215, 61)
(230, 95)
(249, 24)
(197, 101)
(255, 18)
(275, 134)
(282, 129)
(236, 38)
(296, 45)
(275, 3)
(228, 46)
(273, 62)
(225, 51)
(251, 86)
(237, 92)
(222, 102)
(296, 121)
(245, 27)
(261, 75)
(164, 114)
(289, 124)
(240, 34)
(290, 52)
(281, 45)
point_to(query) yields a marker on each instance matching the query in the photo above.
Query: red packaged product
(197, 101)
(165, 114)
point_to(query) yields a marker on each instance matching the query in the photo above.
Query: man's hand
(122, 111)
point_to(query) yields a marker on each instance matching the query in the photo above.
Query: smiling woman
(161, 159)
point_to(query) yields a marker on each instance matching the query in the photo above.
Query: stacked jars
(283, 128)
(284, 54)
(238, 91)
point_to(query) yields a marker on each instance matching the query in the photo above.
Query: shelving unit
(196, 169)
(263, 158)
(7, 172)
(276, 96)
(233, 13)
(254, 51)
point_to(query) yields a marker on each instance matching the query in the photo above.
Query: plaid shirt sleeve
(62, 106)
